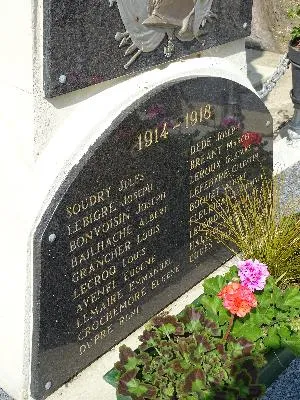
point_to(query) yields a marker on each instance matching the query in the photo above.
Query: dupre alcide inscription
(91, 41)
(121, 238)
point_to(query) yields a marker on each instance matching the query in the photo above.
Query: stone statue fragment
(147, 22)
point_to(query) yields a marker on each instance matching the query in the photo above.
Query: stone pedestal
(42, 140)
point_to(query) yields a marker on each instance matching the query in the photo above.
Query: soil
(271, 26)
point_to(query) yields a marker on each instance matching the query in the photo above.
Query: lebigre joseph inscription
(127, 221)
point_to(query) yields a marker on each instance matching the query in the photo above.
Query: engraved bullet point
(245, 25)
(52, 237)
(48, 385)
(62, 79)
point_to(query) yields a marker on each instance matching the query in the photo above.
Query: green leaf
(284, 332)
(272, 340)
(199, 351)
(136, 387)
(212, 306)
(167, 329)
(198, 385)
(256, 318)
(132, 363)
(112, 377)
(224, 316)
(169, 391)
(248, 331)
(214, 285)
(263, 315)
(293, 343)
(263, 299)
(193, 326)
(232, 273)
(292, 297)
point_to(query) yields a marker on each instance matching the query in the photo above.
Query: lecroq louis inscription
(124, 226)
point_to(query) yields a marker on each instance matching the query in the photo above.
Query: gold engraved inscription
(160, 133)
(97, 231)
(148, 233)
(208, 176)
(103, 233)
(138, 279)
(150, 203)
(90, 201)
(152, 216)
(137, 195)
(168, 275)
(129, 183)
(211, 155)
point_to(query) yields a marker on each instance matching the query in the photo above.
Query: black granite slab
(80, 48)
(120, 240)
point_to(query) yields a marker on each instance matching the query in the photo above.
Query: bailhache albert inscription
(91, 41)
(121, 239)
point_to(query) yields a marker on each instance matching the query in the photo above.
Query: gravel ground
(287, 387)
(291, 187)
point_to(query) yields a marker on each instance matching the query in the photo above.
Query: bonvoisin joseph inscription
(121, 238)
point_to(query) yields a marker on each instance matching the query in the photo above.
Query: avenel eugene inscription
(126, 220)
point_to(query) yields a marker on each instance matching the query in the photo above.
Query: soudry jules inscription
(91, 41)
(121, 239)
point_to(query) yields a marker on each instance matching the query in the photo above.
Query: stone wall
(271, 26)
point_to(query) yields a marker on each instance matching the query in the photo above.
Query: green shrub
(186, 358)
(252, 222)
(294, 14)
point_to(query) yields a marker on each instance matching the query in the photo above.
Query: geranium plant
(188, 358)
(275, 318)
(216, 346)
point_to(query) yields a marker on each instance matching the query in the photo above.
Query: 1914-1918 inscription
(121, 238)
(91, 41)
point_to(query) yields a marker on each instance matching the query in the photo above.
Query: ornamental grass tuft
(253, 222)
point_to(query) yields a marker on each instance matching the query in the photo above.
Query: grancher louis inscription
(126, 220)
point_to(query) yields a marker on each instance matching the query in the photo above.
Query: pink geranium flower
(253, 274)
(230, 120)
(237, 299)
